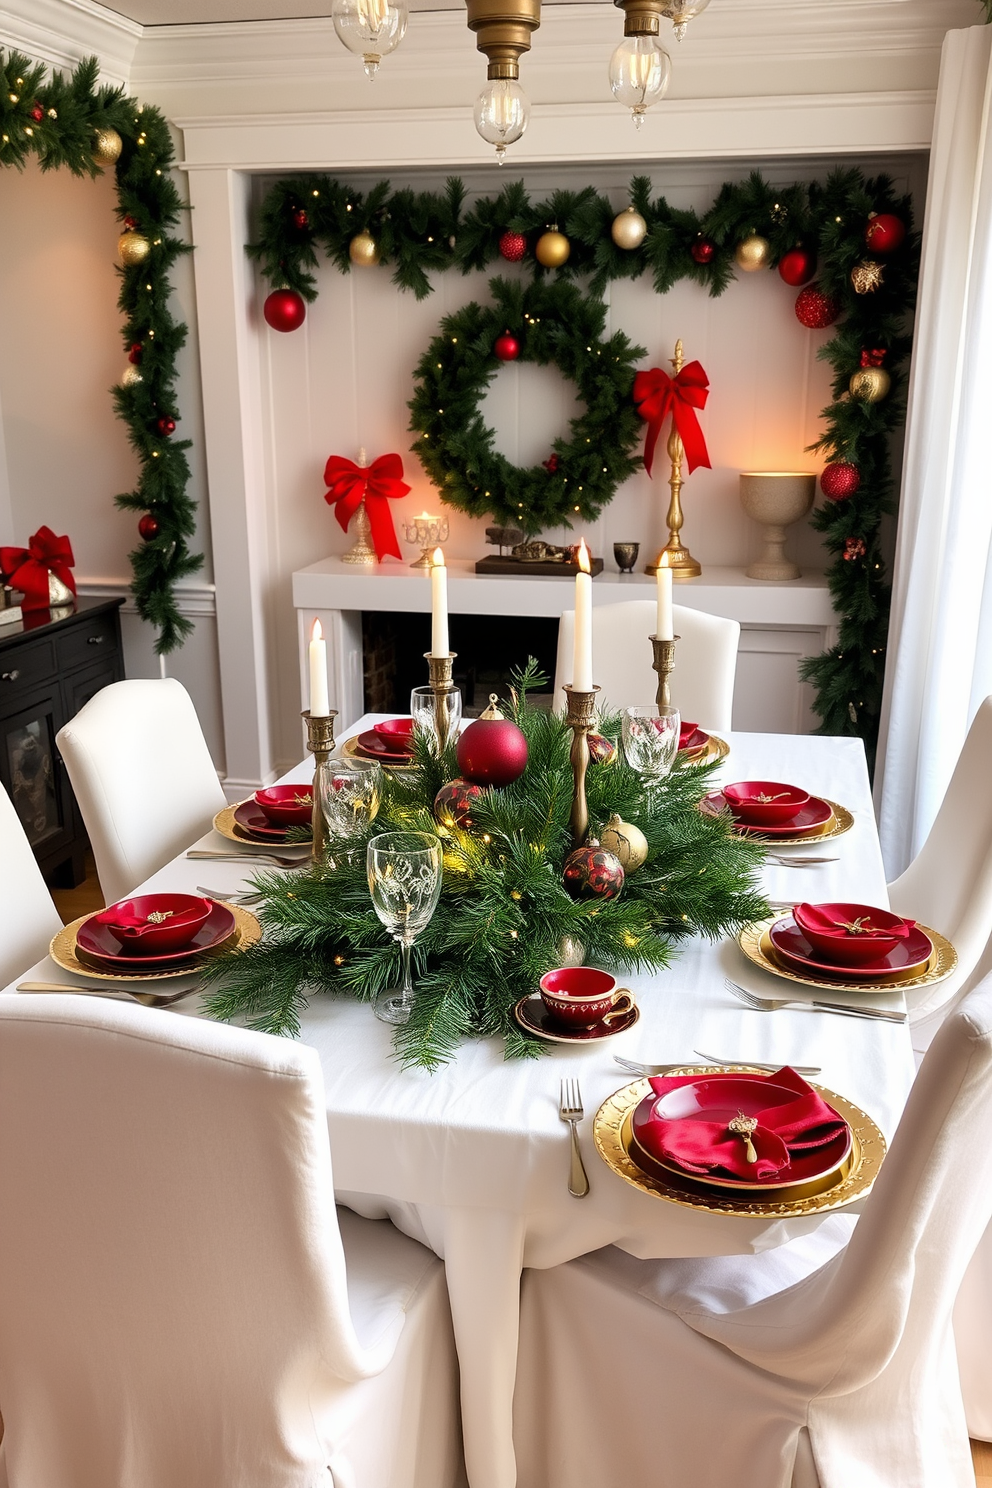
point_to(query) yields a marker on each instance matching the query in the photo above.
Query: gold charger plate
(754, 941)
(839, 822)
(225, 824)
(716, 749)
(350, 747)
(62, 950)
(612, 1135)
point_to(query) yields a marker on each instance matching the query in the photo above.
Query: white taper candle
(665, 624)
(582, 654)
(439, 605)
(319, 705)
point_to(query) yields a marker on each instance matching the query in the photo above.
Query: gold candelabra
(664, 665)
(442, 686)
(581, 718)
(320, 742)
(680, 560)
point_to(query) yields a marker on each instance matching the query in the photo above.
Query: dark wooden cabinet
(48, 669)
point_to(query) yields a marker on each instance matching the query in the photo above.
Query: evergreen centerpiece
(504, 911)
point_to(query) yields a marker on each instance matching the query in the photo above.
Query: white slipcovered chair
(702, 683)
(180, 1303)
(143, 777)
(30, 919)
(788, 1367)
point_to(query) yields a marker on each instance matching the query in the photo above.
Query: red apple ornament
(492, 750)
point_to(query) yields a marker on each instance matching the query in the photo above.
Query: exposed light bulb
(681, 12)
(640, 70)
(501, 114)
(370, 28)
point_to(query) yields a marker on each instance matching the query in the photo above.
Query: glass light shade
(640, 70)
(501, 114)
(370, 28)
(681, 12)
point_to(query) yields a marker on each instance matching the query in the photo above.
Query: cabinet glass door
(29, 752)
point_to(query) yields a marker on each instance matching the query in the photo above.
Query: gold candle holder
(664, 665)
(441, 686)
(581, 718)
(679, 560)
(320, 742)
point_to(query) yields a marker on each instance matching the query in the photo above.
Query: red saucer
(100, 945)
(911, 954)
(534, 1017)
(816, 813)
(254, 823)
(372, 745)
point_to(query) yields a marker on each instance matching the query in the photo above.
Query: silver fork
(251, 857)
(803, 862)
(118, 994)
(235, 896)
(570, 1110)
(772, 1005)
(636, 1068)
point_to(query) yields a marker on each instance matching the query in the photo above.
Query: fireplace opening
(489, 648)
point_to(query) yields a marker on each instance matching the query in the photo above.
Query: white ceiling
(202, 12)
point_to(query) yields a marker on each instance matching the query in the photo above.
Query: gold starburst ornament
(867, 275)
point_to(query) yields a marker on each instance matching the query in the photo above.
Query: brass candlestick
(581, 717)
(680, 560)
(320, 742)
(664, 665)
(442, 686)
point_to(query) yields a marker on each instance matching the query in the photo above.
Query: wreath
(551, 324)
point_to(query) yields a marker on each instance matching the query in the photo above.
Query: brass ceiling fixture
(503, 30)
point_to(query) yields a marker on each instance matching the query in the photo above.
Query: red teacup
(582, 996)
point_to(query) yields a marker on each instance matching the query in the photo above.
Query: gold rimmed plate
(354, 750)
(715, 748)
(612, 1132)
(64, 953)
(839, 821)
(755, 941)
(227, 825)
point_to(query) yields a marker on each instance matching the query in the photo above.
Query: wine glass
(404, 871)
(651, 741)
(349, 796)
(424, 717)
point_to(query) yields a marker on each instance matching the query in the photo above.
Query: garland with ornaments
(515, 898)
(72, 122)
(846, 245)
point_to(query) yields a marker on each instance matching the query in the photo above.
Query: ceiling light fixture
(640, 68)
(503, 30)
(371, 28)
(681, 12)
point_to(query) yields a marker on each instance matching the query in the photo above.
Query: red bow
(28, 568)
(378, 483)
(657, 395)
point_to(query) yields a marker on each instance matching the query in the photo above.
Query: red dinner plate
(100, 945)
(254, 823)
(911, 954)
(373, 745)
(816, 813)
(721, 1098)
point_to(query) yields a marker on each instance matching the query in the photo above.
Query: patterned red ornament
(148, 527)
(703, 250)
(300, 219)
(284, 310)
(506, 347)
(134, 353)
(492, 750)
(797, 266)
(454, 801)
(513, 246)
(839, 480)
(602, 751)
(854, 547)
(814, 309)
(37, 112)
(165, 425)
(885, 232)
(591, 872)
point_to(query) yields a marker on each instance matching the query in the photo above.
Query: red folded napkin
(686, 731)
(127, 923)
(826, 922)
(701, 1146)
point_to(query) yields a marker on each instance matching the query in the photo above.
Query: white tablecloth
(473, 1160)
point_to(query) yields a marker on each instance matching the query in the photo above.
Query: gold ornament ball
(363, 250)
(626, 842)
(552, 249)
(629, 229)
(870, 384)
(107, 146)
(132, 249)
(752, 254)
(130, 377)
(866, 276)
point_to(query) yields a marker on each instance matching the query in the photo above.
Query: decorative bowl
(397, 733)
(764, 803)
(286, 805)
(148, 924)
(845, 947)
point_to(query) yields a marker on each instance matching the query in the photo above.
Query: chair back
(30, 919)
(173, 1296)
(702, 684)
(143, 777)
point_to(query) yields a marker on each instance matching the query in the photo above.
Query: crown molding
(61, 33)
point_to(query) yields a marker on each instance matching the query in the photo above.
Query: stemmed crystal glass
(651, 741)
(424, 717)
(404, 871)
(349, 795)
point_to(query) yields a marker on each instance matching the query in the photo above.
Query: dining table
(472, 1159)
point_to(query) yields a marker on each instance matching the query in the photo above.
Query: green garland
(56, 119)
(554, 325)
(422, 232)
(503, 912)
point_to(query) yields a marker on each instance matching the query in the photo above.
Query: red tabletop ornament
(657, 394)
(797, 266)
(492, 750)
(284, 310)
(507, 347)
(512, 246)
(885, 232)
(591, 872)
(380, 483)
(839, 480)
(703, 250)
(454, 801)
(814, 309)
(28, 568)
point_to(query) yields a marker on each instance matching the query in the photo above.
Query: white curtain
(940, 639)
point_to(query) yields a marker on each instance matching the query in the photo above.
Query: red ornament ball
(797, 266)
(134, 353)
(507, 347)
(300, 219)
(814, 309)
(148, 527)
(703, 250)
(885, 232)
(165, 425)
(130, 223)
(454, 801)
(840, 480)
(37, 112)
(492, 750)
(602, 751)
(513, 246)
(284, 310)
(591, 872)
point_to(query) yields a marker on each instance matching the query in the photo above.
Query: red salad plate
(375, 747)
(794, 950)
(100, 945)
(721, 1098)
(816, 813)
(254, 823)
